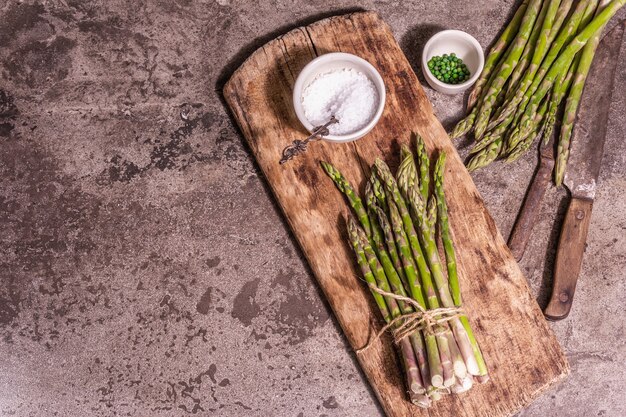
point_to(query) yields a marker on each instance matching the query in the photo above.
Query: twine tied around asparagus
(421, 319)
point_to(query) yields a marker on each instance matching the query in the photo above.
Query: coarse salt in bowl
(341, 85)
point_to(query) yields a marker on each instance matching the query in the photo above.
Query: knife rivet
(580, 214)
(563, 297)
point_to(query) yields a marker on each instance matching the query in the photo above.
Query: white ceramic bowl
(465, 46)
(329, 62)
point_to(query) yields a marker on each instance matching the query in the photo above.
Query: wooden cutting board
(522, 353)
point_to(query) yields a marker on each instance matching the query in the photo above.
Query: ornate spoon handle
(299, 146)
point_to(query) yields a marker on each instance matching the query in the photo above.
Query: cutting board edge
(228, 87)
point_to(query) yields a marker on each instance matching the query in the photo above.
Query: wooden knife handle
(530, 209)
(569, 258)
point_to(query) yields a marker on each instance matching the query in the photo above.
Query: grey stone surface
(145, 269)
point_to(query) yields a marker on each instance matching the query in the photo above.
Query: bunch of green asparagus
(541, 59)
(395, 243)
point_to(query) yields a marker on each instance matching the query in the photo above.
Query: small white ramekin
(465, 46)
(329, 62)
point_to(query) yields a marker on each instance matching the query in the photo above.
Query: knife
(527, 217)
(583, 168)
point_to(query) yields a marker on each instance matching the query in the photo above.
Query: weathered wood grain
(523, 355)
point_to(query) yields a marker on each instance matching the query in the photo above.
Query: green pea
(449, 68)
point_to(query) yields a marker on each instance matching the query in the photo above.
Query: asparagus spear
(389, 261)
(463, 384)
(408, 168)
(448, 246)
(405, 152)
(382, 230)
(580, 17)
(375, 233)
(542, 27)
(446, 235)
(451, 364)
(396, 201)
(488, 139)
(561, 88)
(379, 191)
(465, 124)
(541, 65)
(393, 193)
(496, 52)
(492, 136)
(431, 212)
(389, 267)
(408, 268)
(370, 197)
(363, 249)
(441, 283)
(421, 400)
(563, 78)
(525, 144)
(385, 229)
(376, 267)
(561, 14)
(394, 271)
(434, 372)
(486, 155)
(509, 64)
(394, 276)
(561, 64)
(542, 33)
(353, 198)
(571, 104)
(365, 269)
(424, 166)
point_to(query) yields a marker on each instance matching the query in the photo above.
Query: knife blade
(583, 168)
(527, 217)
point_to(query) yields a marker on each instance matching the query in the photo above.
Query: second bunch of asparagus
(541, 59)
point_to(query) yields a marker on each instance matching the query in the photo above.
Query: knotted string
(421, 319)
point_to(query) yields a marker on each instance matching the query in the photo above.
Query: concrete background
(145, 269)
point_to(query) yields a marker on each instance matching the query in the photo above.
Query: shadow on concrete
(412, 44)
